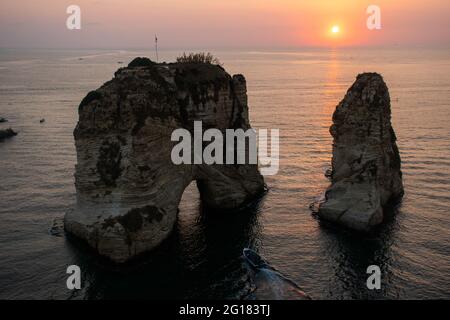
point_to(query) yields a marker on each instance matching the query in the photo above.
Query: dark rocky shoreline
(7, 133)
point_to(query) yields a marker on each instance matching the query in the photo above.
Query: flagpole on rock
(156, 48)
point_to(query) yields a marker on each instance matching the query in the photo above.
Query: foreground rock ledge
(366, 172)
(128, 189)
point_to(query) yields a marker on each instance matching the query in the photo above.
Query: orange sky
(222, 24)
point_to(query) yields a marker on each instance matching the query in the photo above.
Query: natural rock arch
(128, 189)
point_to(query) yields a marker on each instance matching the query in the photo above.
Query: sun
(335, 29)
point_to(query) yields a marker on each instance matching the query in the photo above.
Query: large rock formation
(128, 188)
(366, 171)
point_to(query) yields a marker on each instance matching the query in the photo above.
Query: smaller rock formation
(3, 120)
(8, 133)
(366, 173)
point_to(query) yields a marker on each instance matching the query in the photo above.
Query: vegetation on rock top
(200, 57)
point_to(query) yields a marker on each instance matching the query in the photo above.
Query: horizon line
(243, 48)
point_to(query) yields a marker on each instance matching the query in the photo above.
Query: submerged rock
(8, 133)
(366, 173)
(3, 120)
(128, 189)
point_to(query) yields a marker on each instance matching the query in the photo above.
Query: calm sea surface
(294, 91)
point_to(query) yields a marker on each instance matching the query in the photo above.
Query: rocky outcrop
(128, 189)
(366, 173)
(8, 133)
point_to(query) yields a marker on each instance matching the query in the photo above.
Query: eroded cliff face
(366, 172)
(128, 189)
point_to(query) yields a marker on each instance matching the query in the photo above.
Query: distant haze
(222, 24)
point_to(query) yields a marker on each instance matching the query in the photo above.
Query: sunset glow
(215, 24)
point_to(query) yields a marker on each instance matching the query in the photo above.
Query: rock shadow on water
(351, 252)
(220, 272)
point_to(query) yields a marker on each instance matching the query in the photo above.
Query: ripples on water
(293, 91)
